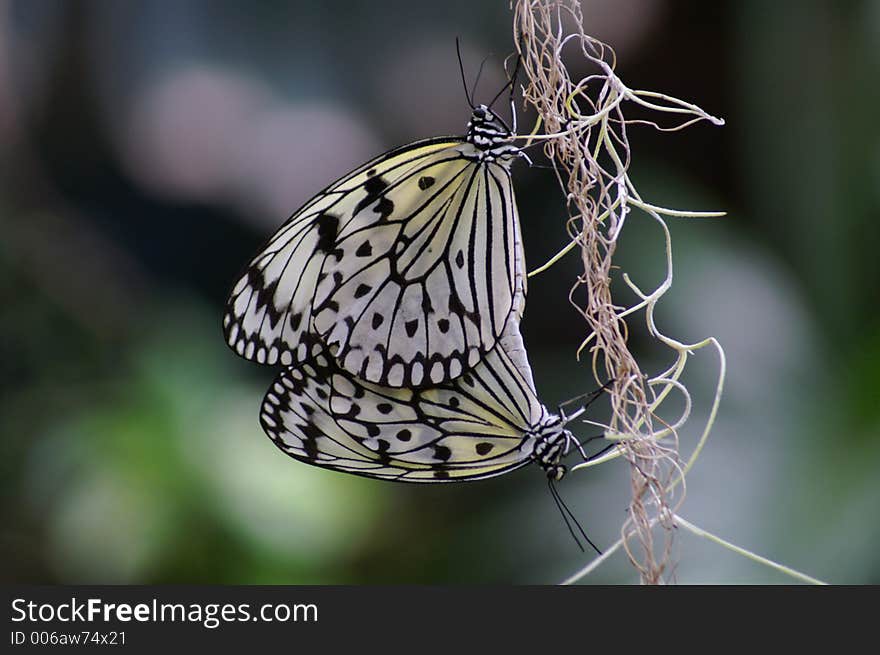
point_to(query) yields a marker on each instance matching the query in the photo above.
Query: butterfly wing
(440, 285)
(406, 268)
(474, 427)
(268, 314)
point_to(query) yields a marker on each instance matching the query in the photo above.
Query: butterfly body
(406, 270)
(491, 137)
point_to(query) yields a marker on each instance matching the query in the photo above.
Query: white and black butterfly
(486, 422)
(406, 270)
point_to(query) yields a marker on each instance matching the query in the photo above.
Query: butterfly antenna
(461, 68)
(479, 74)
(559, 505)
(565, 510)
(511, 84)
(513, 93)
(590, 396)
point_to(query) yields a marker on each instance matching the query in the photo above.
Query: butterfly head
(552, 441)
(490, 135)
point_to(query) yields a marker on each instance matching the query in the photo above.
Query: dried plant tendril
(583, 129)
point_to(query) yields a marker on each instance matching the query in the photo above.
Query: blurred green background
(147, 149)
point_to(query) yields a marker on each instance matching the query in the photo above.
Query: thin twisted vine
(584, 133)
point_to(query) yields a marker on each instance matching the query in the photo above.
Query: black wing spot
(459, 259)
(320, 393)
(384, 208)
(454, 402)
(426, 182)
(310, 439)
(404, 435)
(295, 320)
(378, 319)
(310, 432)
(411, 327)
(373, 430)
(382, 447)
(442, 453)
(310, 446)
(362, 290)
(364, 250)
(328, 230)
(371, 172)
(457, 308)
(441, 475)
(374, 187)
(266, 298)
(484, 448)
(443, 324)
(467, 379)
(427, 307)
(384, 408)
(337, 278)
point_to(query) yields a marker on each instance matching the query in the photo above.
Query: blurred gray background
(147, 149)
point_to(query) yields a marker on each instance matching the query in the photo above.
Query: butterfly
(484, 423)
(405, 270)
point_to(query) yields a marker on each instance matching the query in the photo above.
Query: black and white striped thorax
(491, 138)
(552, 441)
